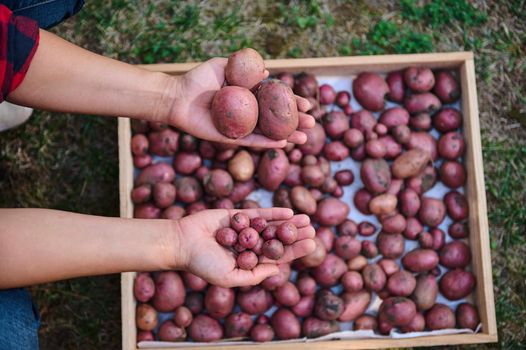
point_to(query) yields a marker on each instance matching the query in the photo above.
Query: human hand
(193, 98)
(198, 252)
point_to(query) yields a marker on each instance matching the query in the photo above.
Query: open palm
(191, 113)
(203, 256)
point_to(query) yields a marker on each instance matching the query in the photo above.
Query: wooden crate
(475, 191)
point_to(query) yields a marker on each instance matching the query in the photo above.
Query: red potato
(258, 224)
(361, 200)
(365, 228)
(336, 151)
(218, 183)
(358, 153)
(439, 238)
(396, 84)
(370, 90)
(410, 163)
(452, 174)
(446, 87)
(143, 287)
(328, 306)
(188, 143)
(306, 285)
(348, 228)
(287, 233)
(380, 129)
(355, 304)
(254, 301)
(245, 68)
(234, 111)
(304, 307)
(419, 79)
(169, 291)
(424, 102)
(273, 169)
(219, 301)
(193, 282)
(207, 149)
(201, 172)
(239, 222)
(146, 317)
(424, 181)
(194, 301)
(164, 194)
(302, 200)
(258, 248)
(188, 189)
(248, 237)
(316, 257)
(271, 283)
(187, 163)
(241, 166)
(467, 316)
(331, 212)
(222, 156)
(447, 119)
(409, 202)
(159, 172)
(420, 122)
(262, 333)
(328, 273)
(393, 224)
(313, 327)
(278, 112)
(352, 281)
(326, 236)
(327, 94)
(343, 98)
(285, 324)
(401, 283)
(142, 162)
(440, 316)
(163, 143)
(455, 254)
(247, 260)
(390, 245)
(365, 322)
(417, 324)
(196, 207)
(401, 134)
(363, 120)
(139, 145)
(432, 211)
(383, 204)
(451, 145)
(375, 175)
(287, 78)
(329, 185)
(457, 284)
(357, 263)
(375, 149)
(390, 266)
(335, 124)
(399, 311)
(456, 205)
(287, 294)
(392, 148)
(413, 228)
(141, 194)
(282, 198)
(394, 116)
(353, 138)
(169, 331)
(344, 177)
(273, 249)
(205, 329)
(426, 291)
(425, 240)
(269, 232)
(145, 336)
(315, 140)
(373, 277)
(347, 247)
(306, 85)
(238, 325)
(424, 141)
(293, 176)
(420, 260)
(369, 249)
(458, 230)
(295, 156)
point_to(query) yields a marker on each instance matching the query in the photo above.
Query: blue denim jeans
(19, 320)
(47, 13)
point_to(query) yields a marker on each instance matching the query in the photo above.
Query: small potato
(440, 316)
(401, 283)
(390, 266)
(313, 327)
(419, 79)
(358, 153)
(241, 166)
(375, 175)
(401, 134)
(447, 119)
(425, 240)
(458, 230)
(238, 325)
(304, 307)
(145, 336)
(262, 333)
(417, 324)
(239, 222)
(306, 85)
(141, 194)
(420, 260)
(365, 322)
(146, 317)
(188, 189)
(452, 174)
(369, 249)
(424, 181)
(344, 177)
(317, 256)
(139, 145)
(383, 204)
(357, 263)
(446, 87)
(331, 212)
(451, 145)
(456, 206)
(187, 163)
(196, 207)
(271, 283)
(455, 254)
(392, 148)
(287, 78)
(409, 202)
(390, 245)
(361, 200)
(352, 281)
(163, 143)
(370, 90)
(420, 122)
(285, 324)
(373, 277)
(399, 311)
(247, 260)
(394, 116)
(327, 94)
(254, 301)
(143, 287)
(426, 291)
(218, 183)
(328, 306)
(281, 198)
(273, 169)
(363, 120)
(329, 186)
(248, 237)
(348, 228)
(424, 102)
(245, 68)
(306, 285)
(424, 141)
(347, 247)
(164, 194)
(278, 112)
(457, 284)
(193, 282)
(142, 162)
(439, 238)
(343, 98)
(169, 291)
(393, 224)
(194, 301)
(375, 149)
(287, 233)
(159, 172)
(326, 235)
(293, 176)
(395, 81)
(365, 228)
(355, 304)
(432, 211)
(413, 228)
(205, 329)
(169, 331)
(219, 301)
(273, 249)
(335, 124)
(303, 200)
(467, 316)
(410, 163)
(336, 151)
(312, 175)
(353, 138)
(315, 140)
(330, 271)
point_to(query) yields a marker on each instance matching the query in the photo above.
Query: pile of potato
(401, 157)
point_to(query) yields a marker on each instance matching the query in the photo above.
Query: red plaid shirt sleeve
(18, 42)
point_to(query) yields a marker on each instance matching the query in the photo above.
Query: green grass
(70, 162)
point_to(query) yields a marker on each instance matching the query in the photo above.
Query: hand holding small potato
(193, 94)
(199, 252)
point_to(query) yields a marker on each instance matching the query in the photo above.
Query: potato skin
(401, 283)
(169, 291)
(457, 284)
(456, 206)
(419, 79)
(304, 307)
(420, 260)
(164, 143)
(205, 329)
(273, 169)
(393, 224)
(447, 119)
(424, 141)
(329, 272)
(188, 189)
(440, 316)
(219, 301)
(394, 116)
(169, 331)
(159, 172)
(271, 283)
(409, 202)
(410, 163)
(187, 163)
(417, 324)
(347, 247)
(241, 166)
(303, 200)
(424, 102)
(383, 204)
(313, 327)
(254, 301)
(432, 211)
(375, 175)
(467, 316)
(328, 306)
(143, 287)
(396, 84)
(399, 311)
(285, 324)
(451, 145)
(335, 123)
(373, 277)
(365, 322)
(391, 246)
(363, 120)
(146, 317)
(164, 194)
(370, 90)
(278, 112)
(452, 173)
(245, 68)
(287, 294)
(306, 85)
(355, 304)
(446, 87)
(238, 325)
(331, 212)
(262, 333)
(234, 111)
(455, 254)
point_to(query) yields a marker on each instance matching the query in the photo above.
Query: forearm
(66, 78)
(40, 245)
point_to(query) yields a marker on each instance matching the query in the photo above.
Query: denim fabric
(47, 13)
(19, 320)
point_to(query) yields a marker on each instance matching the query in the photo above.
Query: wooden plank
(129, 331)
(476, 196)
(340, 65)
